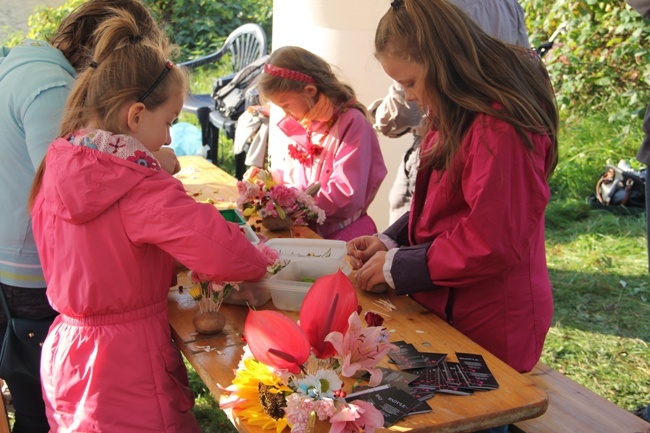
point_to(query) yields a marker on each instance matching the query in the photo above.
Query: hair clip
(93, 64)
(289, 74)
(169, 65)
(134, 39)
(396, 4)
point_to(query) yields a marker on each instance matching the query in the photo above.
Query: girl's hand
(371, 273)
(363, 248)
(168, 160)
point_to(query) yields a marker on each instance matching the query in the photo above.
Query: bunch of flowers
(209, 294)
(292, 374)
(260, 195)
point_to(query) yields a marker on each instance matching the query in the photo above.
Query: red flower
(276, 340)
(326, 308)
(374, 319)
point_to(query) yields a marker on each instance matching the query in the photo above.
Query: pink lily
(356, 417)
(361, 348)
(326, 308)
(276, 340)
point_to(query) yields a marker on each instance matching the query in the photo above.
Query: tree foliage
(198, 27)
(601, 61)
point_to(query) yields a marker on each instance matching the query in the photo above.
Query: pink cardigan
(350, 169)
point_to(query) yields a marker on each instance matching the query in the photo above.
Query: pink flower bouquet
(291, 374)
(260, 195)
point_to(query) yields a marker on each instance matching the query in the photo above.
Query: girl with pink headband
(329, 140)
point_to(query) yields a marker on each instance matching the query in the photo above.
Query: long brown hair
(466, 72)
(300, 60)
(124, 65)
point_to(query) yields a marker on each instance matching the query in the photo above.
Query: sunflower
(246, 385)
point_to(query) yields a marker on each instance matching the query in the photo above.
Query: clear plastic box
(300, 248)
(288, 288)
(252, 294)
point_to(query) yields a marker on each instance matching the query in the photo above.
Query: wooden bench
(573, 408)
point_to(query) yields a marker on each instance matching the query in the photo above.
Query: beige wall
(342, 32)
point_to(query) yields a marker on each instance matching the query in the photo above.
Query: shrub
(601, 61)
(196, 26)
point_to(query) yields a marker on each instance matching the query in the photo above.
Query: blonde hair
(300, 60)
(123, 67)
(466, 72)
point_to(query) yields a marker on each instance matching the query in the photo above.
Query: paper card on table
(390, 377)
(422, 393)
(477, 372)
(428, 378)
(423, 407)
(452, 379)
(393, 403)
(433, 359)
(407, 357)
(396, 378)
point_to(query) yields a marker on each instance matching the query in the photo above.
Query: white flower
(323, 384)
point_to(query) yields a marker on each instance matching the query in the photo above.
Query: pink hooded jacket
(108, 231)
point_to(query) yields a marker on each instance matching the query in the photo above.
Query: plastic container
(250, 234)
(251, 294)
(300, 248)
(233, 216)
(288, 289)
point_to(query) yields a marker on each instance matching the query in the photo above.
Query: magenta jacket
(350, 170)
(473, 252)
(108, 231)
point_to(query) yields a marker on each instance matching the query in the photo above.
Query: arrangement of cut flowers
(293, 374)
(262, 196)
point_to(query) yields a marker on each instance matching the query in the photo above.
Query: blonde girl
(328, 140)
(109, 226)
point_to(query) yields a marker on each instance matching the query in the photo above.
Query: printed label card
(429, 378)
(407, 357)
(423, 407)
(390, 377)
(453, 381)
(477, 372)
(393, 403)
(433, 359)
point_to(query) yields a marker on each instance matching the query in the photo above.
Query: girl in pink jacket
(471, 249)
(109, 227)
(329, 140)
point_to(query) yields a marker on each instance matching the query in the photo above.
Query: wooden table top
(215, 357)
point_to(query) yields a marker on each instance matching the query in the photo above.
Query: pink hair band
(290, 74)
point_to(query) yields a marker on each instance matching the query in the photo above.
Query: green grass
(598, 264)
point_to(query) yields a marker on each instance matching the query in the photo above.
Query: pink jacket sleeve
(193, 233)
(351, 175)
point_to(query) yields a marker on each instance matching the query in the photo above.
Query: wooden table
(216, 357)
